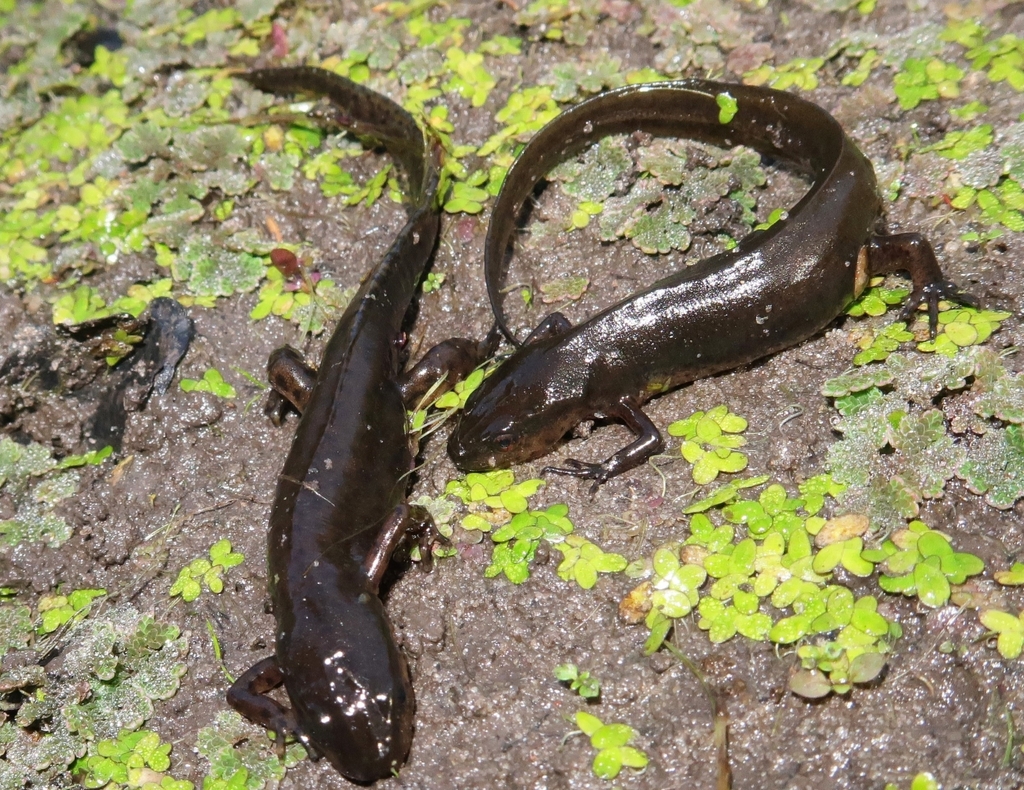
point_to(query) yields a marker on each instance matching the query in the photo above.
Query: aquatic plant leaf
(664, 228)
(19, 462)
(856, 381)
(1005, 400)
(597, 174)
(145, 141)
(810, 684)
(230, 182)
(15, 627)
(995, 466)
(211, 147)
(173, 229)
(232, 745)
(664, 159)
(419, 65)
(926, 456)
(211, 270)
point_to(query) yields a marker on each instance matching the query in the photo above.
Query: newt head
(521, 412)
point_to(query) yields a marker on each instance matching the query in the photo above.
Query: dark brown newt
(776, 288)
(339, 510)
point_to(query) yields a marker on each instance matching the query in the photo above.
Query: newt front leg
(648, 442)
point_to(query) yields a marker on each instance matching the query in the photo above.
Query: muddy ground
(489, 713)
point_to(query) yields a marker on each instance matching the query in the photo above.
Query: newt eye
(504, 441)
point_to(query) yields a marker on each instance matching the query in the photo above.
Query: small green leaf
(566, 672)
(610, 736)
(810, 684)
(633, 758)
(853, 559)
(607, 764)
(1000, 621)
(659, 633)
(924, 781)
(866, 667)
(1013, 577)
(790, 629)
(588, 722)
(828, 558)
(932, 587)
(870, 623)
(727, 107)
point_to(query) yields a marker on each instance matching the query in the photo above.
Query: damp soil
(489, 713)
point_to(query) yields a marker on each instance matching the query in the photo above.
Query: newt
(339, 510)
(776, 288)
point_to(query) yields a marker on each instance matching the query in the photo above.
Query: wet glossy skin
(776, 288)
(339, 508)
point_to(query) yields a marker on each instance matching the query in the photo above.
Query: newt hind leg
(912, 253)
(248, 696)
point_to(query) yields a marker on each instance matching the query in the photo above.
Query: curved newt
(776, 288)
(339, 509)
